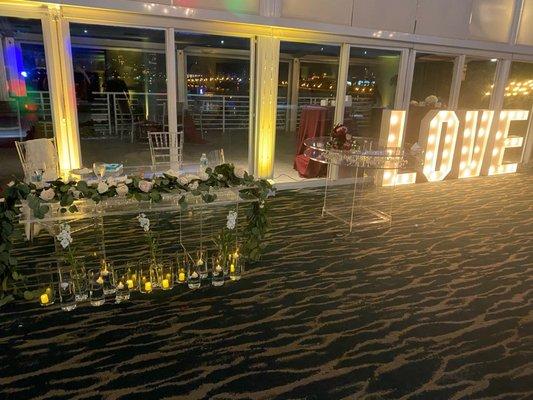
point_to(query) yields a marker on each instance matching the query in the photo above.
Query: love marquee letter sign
(465, 143)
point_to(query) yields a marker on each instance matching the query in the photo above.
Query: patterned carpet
(437, 307)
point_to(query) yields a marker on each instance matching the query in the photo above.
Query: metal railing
(108, 116)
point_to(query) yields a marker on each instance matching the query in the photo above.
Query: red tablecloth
(314, 121)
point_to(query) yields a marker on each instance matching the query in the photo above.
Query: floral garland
(222, 176)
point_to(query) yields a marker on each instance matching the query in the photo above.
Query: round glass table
(356, 191)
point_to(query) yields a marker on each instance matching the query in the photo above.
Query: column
(182, 77)
(294, 88)
(4, 89)
(265, 96)
(170, 57)
(56, 37)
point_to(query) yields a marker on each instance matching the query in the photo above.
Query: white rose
(239, 172)
(220, 176)
(47, 194)
(102, 187)
(122, 189)
(111, 181)
(11, 184)
(145, 186)
(194, 185)
(127, 181)
(183, 180)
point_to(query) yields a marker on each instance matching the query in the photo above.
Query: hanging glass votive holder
(201, 266)
(146, 277)
(193, 276)
(121, 277)
(67, 289)
(181, 271)
(217, 275)
(106, 272)
(96, 288)
(167, 275)
(132, 276)
(235, 267)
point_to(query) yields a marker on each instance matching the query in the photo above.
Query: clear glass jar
(106, 272)
(217, 274)
(121, 276)
(96, 288)
(147, 277)
(167, 275)
(193, 276)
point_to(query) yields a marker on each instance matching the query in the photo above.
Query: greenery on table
(66, 193)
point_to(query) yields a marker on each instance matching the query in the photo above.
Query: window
(477, 83)
(215, 108)
(25, 111)
(432, 81)
(371, 88)
(518, 95)
(306, 104)
(120, 82)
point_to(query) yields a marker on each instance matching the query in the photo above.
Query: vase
(132, 279)
(67, 295)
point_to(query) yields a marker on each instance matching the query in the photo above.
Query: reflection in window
(432, 81)
(518, 95)
(25, 111)
(120, 80)
(215, 109)
(477, 83)
(371, 87)
(305, 108)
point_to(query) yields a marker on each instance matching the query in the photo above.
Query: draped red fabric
(313, 123)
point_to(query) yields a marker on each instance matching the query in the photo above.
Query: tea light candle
(100, 280)
(194, 275)
(218, 268)
(120, 286)
(148, 287)
(165, 284)
(129, 282)
(200, 262)
(181, 276)
(168, 276)
(44, 299)
(232, 268)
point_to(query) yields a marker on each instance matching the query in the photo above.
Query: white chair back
(38, 154)
(166, 148)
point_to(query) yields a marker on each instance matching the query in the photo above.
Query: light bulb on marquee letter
(474, 143)
(393, 128)
(501, 141)
(430, 138)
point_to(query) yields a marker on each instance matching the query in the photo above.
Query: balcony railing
(112, 114)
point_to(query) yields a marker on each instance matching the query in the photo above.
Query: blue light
(24, 74)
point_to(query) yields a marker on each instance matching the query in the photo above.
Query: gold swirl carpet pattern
(439, 306)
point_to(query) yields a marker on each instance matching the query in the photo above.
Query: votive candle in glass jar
(47, 297)
(96, 288)
(132, 281)
(106, 272)
(146, 277)
(193, 276)
(121, 277)
(201, 265)
(167, 275)
(217, 275)
(67, 295)
(181, 271)
(235, 267)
